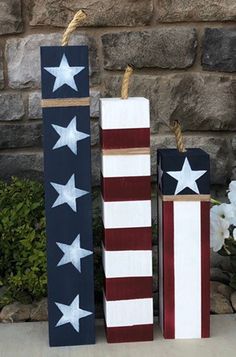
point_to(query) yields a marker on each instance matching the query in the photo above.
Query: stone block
(10, 17)
(14, 135)
(197, 10)
(105, 13)
(169, 47)
(219, 50)
(12, 106)
(23, 57)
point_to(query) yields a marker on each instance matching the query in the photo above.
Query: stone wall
(184, 53)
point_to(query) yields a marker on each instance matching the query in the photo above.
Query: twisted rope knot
(79, 16)
(176, 127)
(125, 83)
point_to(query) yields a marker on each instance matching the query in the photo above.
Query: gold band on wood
(65, 102)
(202, 198)
(129, 151)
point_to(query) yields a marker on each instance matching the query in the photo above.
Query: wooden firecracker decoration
(66, 118)
(126, 203)
(184, 251)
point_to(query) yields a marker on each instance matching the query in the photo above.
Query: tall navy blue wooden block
(67, 170)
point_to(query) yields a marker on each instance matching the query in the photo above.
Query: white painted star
(186, 177)
(68, 193)
(64, 74)
(73, 253)
(72, 314)
(69, 136)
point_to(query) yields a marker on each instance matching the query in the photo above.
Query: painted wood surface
(126, 203)
(67, 166)
(127, 214)
(131, 263)
(126, 165)
(184, 251)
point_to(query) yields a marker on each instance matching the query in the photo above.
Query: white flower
(226, 211)
(219, 231)
(232, 192)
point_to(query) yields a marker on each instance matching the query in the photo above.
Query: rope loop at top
(125, 83)
(176, 127)
(79, 16)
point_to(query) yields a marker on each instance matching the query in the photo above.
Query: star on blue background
(64, 74)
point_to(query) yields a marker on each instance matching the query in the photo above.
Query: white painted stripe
(160, 247)
(117, 113)
(126, 165)
(187, 264)
(127, 263)
(126, 214)
(128, 312)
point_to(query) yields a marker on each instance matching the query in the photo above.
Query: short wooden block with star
(67, 166)
(184, 248)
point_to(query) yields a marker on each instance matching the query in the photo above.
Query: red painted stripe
(126, 188)
(128, 238)
(129, 333)
(125, 138)
(205, 267)
(168, 270)
(128, 288)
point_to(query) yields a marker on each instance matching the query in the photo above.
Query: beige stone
(15, 312)
(12, 106)
(169, 47)
(220, 304)
(198, 10)
(102, 13)
(39, 311)
(233, 300)
(23, 57)
(223, 289)
(10, 17)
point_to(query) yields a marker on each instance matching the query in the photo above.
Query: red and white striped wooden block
(126, 204)
(184, 251)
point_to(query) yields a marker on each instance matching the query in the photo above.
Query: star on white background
(69, 136)
(72, 314)
(68, 193)
(64, 74)
(186, 177)
(73, 253)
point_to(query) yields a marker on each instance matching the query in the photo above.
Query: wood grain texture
(128, 238)
(130, 312)
(128, 288)
(168, 270)
(126, 203)
(129, 333)
(127, 214)
(126, 165)
(187, 269)
(186, 198)
(68, 215)
(125, 138)
(126, 188)
(205, 269)
(131, 113)
(127, 263)
(127, 151)
(65, 102)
